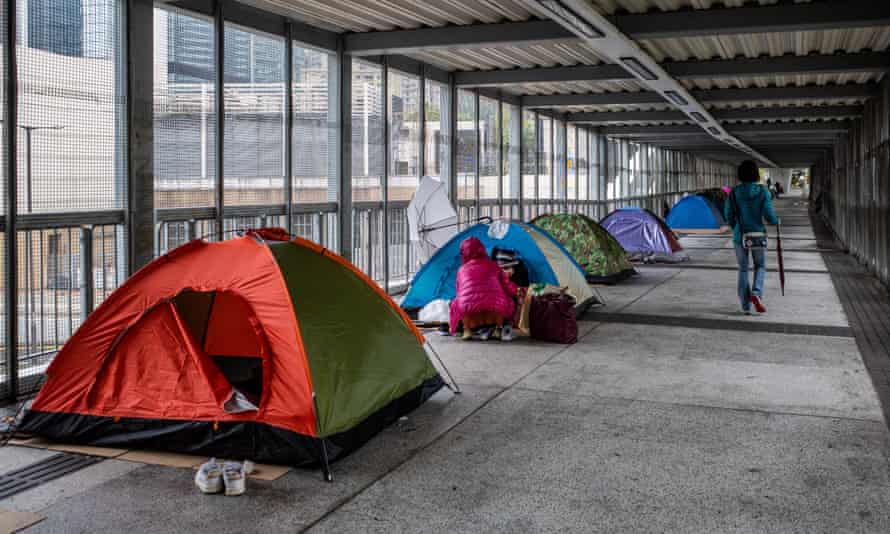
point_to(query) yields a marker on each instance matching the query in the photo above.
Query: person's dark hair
(748, 171)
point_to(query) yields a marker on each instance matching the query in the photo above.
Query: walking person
(746, 207)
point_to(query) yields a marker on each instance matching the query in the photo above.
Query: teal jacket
(755, 204)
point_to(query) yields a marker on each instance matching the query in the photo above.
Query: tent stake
(453, 385)
(325, 465)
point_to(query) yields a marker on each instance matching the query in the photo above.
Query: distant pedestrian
(746, 207)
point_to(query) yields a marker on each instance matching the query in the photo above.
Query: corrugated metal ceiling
(384, 15)
(519, 56)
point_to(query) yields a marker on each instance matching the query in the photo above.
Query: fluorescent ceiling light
(636, 67)
(698, 116)
(676, 98)
(559, 10)
(714, 130)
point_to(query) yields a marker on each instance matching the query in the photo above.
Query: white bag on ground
(436, 311)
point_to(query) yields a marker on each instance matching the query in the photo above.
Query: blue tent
(695, 213)
(546, 260)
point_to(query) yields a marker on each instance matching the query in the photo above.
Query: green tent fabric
(602, 257)
(357, 367)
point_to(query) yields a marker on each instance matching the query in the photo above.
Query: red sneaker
(755, 300)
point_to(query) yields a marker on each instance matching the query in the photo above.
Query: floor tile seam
(677, 320)
(651, 289)
(347, 499)
(853, 365)
(714, 267)
(702, 406)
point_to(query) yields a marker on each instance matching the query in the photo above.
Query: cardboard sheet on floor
(168, 459)
(103, 452)
(171, 459)
(268, 472)
(12, 521)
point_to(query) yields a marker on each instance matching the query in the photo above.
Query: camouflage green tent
(592, 246)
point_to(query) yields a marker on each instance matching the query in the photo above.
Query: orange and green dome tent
(260, 347)
(600, 254)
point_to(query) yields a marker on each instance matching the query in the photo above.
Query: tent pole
(453, 386)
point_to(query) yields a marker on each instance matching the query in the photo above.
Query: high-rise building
(53, 25)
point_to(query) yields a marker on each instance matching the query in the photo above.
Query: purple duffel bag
(552, 318)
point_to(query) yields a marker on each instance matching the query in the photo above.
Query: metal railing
(69, 263)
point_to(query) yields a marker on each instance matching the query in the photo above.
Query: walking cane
(781, 260)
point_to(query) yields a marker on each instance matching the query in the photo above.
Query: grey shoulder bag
(750, 240)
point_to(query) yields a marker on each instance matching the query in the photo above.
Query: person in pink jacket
(484, 293)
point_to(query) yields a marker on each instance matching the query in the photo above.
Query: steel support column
(385, 177)
(219, 58)
(478, 157)
(344, 175)
(500, 137)
(452, 119)
(11, 125)
(521, 159)
(289, 130)
(139, 38)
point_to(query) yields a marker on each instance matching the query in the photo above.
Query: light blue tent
(695, 213)
(546, 260)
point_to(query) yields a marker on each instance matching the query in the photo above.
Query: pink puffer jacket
(482, 286)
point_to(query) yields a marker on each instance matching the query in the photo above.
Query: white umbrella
(432, 221)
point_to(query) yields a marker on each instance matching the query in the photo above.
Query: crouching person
(483, 294)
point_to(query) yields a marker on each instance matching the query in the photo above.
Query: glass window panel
(437, 130)
(545, 158)
(253, 141)
(571, 163)
(529, 156)
(72, 142)
(184, 110)
(559, 160)
(511, 131)
(583, 168)
(404, 169)
(489, 153)
(314, 152)
(72, 156)
(368, 162)
(467, 152)
(367, 131)
(404, 135)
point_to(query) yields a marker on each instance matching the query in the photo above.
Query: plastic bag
(436, 311)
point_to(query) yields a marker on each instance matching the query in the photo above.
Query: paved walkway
(675, 413)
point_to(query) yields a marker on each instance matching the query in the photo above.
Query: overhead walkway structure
(137, 125)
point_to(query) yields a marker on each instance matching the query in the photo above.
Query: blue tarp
(695, 212)
(435, 280)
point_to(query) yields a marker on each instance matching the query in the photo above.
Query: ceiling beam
(782, 17)
(446, 37)
(735, 129)
(574, 73)
(684, 70)
(809, 92)
(779, 65)
(816, 92)
(592, 99)
(787, 112)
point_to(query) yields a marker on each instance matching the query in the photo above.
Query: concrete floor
(636, 428)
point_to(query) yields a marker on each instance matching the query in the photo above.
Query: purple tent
(643, 235)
